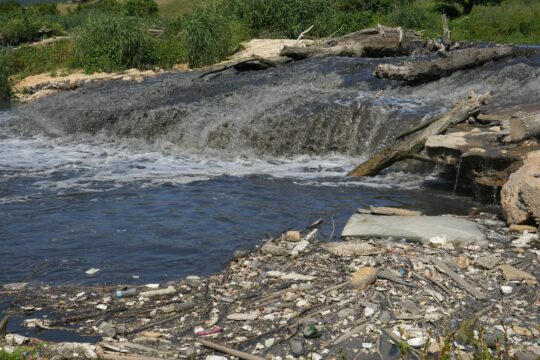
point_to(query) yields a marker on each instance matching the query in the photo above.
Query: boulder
(456, 231)
(520, 196)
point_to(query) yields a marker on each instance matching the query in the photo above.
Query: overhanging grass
(5, 71)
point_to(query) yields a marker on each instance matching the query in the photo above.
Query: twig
(333, 229)
(349, 334)
(229, 351)
(473, 290)
(230, 66)
(103, 355)
(303, 33)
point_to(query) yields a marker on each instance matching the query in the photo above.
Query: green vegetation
(112, 43)
(5, 70)
(4, 355)
(113, 35)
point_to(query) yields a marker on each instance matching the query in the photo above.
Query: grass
(5, 71)
(175, 8)
(31, 60)
(515, 21)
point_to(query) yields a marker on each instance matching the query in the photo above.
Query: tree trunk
(373, 42)
(458, 60)
(415, 143)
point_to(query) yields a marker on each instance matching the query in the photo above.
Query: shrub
(20, 29)
(100, 7)
(113, 44)
(10, 7)
(31, 60)
(285, 17)
(5, 88)
(141, 8)
(411, 16)
(44, 9)
(208, 37)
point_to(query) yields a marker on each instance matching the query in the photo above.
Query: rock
(342, 314)
(521, 331)
(433, 347)
(268, 343)
(289, 296)
(393, 211)
(15, 286)
(385, 317)
(510, 273)
(293, 236)
(301, 246)
(522, 228)
(410, 307)
(215, 357)
(242, 316)
(506, 289)
(352, 248)
(488, 262)
(457, 231)
(16, 339)
(311, 332)
(272, 249)
(520, 196)
(297, 277)
(297, 347)
(185, 306)
(168, 291)
(462, 262)
(364, 277)
(417, 342)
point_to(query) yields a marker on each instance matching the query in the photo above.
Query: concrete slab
(457, 231)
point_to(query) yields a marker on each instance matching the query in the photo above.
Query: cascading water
(168, 177)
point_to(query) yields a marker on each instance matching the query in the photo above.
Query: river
(155, 181)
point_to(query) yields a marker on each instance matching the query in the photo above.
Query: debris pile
(300, 296)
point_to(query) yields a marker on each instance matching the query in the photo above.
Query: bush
(285, 17)
(30, 60)
(5, 70)
(113, 44)
(44, 9)
(411, 16)
(513, 21)
(101, 7)
(141, 8)
(9, 7)
(21, 29)
(208, 36)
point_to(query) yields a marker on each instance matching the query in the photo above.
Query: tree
(468, 5)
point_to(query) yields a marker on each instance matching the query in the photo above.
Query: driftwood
(523, 125)
(229, 351)
(374, 42)
(473, 290)
(252, 63)
(457, 60)
(411, 146)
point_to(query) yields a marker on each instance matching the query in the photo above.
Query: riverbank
(299, 296)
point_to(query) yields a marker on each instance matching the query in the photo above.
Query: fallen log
(373, 42)
(434, 69)
(523, 125)
(411, 146)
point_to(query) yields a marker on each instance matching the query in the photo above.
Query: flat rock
(510, 273)
(459, 232)
(352, 248)
(488, 262)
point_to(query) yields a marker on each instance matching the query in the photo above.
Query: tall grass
(112, 44)
(209, 36)
(31, 60)
(5, 70)
(514, 21)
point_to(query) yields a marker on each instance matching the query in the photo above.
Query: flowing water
(158, 180)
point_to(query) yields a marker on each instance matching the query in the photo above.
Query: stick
(230, 66)
(303, 33)
(443, 268)
(349, 334)
(103, 355)
(333, 229)
(229, 351)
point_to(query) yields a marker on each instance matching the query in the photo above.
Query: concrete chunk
(459, 232)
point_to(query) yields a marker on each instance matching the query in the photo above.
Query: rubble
(349, 299)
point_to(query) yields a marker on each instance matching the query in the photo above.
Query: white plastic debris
(91, 271)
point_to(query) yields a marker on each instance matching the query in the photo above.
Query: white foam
(65, 166)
